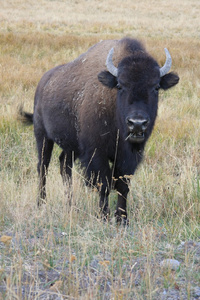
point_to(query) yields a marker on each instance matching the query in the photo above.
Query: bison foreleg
(121, 212)
(103, 203)
(99, 175)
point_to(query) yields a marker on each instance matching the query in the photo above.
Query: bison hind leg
(65, 165)
(45, 147)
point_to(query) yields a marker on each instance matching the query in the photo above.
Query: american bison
(101, 116)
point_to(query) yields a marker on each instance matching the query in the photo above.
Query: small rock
(94, 264)
(168, 246)
(172, 264)
(170, 294)
(63, 233)
(196, 292)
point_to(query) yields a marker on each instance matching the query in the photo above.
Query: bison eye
(119, 87)
(157, 87)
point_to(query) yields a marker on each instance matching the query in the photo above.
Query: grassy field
(62, 252)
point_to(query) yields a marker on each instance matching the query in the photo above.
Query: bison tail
(25, 117)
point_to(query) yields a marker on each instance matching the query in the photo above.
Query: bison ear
(107, 79)
(169, 80)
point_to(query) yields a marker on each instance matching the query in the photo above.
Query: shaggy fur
(84, 109)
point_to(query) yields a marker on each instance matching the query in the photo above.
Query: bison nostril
(145, 124)
(130, 122)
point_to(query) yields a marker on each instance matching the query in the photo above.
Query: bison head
(137, 79)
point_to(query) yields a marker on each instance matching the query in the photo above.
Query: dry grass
(60, 252)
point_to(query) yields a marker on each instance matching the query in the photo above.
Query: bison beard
(103, 117)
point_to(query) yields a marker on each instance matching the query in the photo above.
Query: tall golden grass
(62, 252)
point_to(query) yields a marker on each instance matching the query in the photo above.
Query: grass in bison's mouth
(135, 136)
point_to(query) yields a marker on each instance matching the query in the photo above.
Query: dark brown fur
(78, 106)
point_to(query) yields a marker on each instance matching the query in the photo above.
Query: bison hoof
(104, 215)
(41, 201)
(121, 217)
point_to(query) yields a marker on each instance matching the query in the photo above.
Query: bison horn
(114, 71)
(165, 69)
(109, 64)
